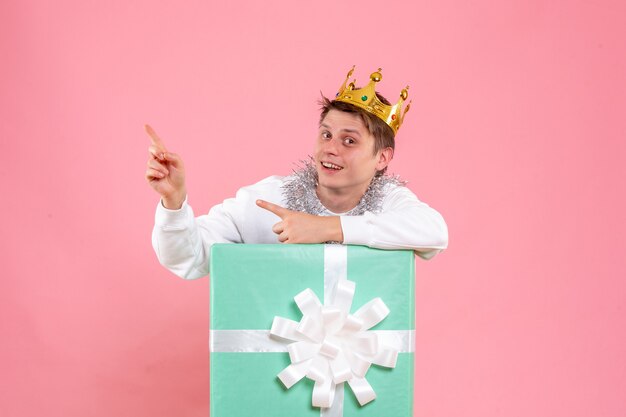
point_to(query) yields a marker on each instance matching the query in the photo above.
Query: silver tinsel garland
(299, 192)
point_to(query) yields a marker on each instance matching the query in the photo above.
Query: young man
(341, 195)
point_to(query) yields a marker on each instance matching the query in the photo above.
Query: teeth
(331, 166)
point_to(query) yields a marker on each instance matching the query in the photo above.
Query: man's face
(344, 154)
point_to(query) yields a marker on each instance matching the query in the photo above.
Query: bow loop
(372, 313)
(308, 303)
(285, 328)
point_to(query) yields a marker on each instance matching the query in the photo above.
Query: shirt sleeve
(404, 223)
(183, 242)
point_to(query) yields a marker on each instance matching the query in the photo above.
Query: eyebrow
(343, 130)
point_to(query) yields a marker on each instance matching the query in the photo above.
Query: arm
(404, 223)
(183, 242)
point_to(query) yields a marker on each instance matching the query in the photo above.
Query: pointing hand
(298, 227)
(165, 172)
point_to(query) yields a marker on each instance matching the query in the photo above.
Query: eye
(326, 134)
(349, 141)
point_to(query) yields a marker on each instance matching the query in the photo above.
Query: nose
(331, 146)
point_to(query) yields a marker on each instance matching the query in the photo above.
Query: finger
(274, 208)
(157, 166)
(283, 238)
(156, 140)
(156, 152)
(278, 228)
(175, 160)
(153, 174)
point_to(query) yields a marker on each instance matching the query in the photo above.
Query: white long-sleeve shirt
(182, 241)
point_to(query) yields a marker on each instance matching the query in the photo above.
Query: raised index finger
(156, 140)
(274, 208)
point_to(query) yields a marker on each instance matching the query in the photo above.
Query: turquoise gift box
(252, 284)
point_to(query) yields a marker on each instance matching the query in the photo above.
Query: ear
(384, 157)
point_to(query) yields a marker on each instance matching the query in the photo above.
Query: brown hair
(383, 134)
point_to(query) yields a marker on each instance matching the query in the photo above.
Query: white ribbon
(247, 341)
(330, 345)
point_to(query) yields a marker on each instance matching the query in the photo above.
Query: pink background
(516, 135)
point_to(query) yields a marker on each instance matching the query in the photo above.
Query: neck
(339, 201)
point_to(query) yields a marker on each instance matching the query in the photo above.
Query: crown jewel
(366, 99)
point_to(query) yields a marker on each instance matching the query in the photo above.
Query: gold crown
(366, 99)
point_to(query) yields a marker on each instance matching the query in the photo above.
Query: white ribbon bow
(332, 346)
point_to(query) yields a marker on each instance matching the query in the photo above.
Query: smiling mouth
(331, 166)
